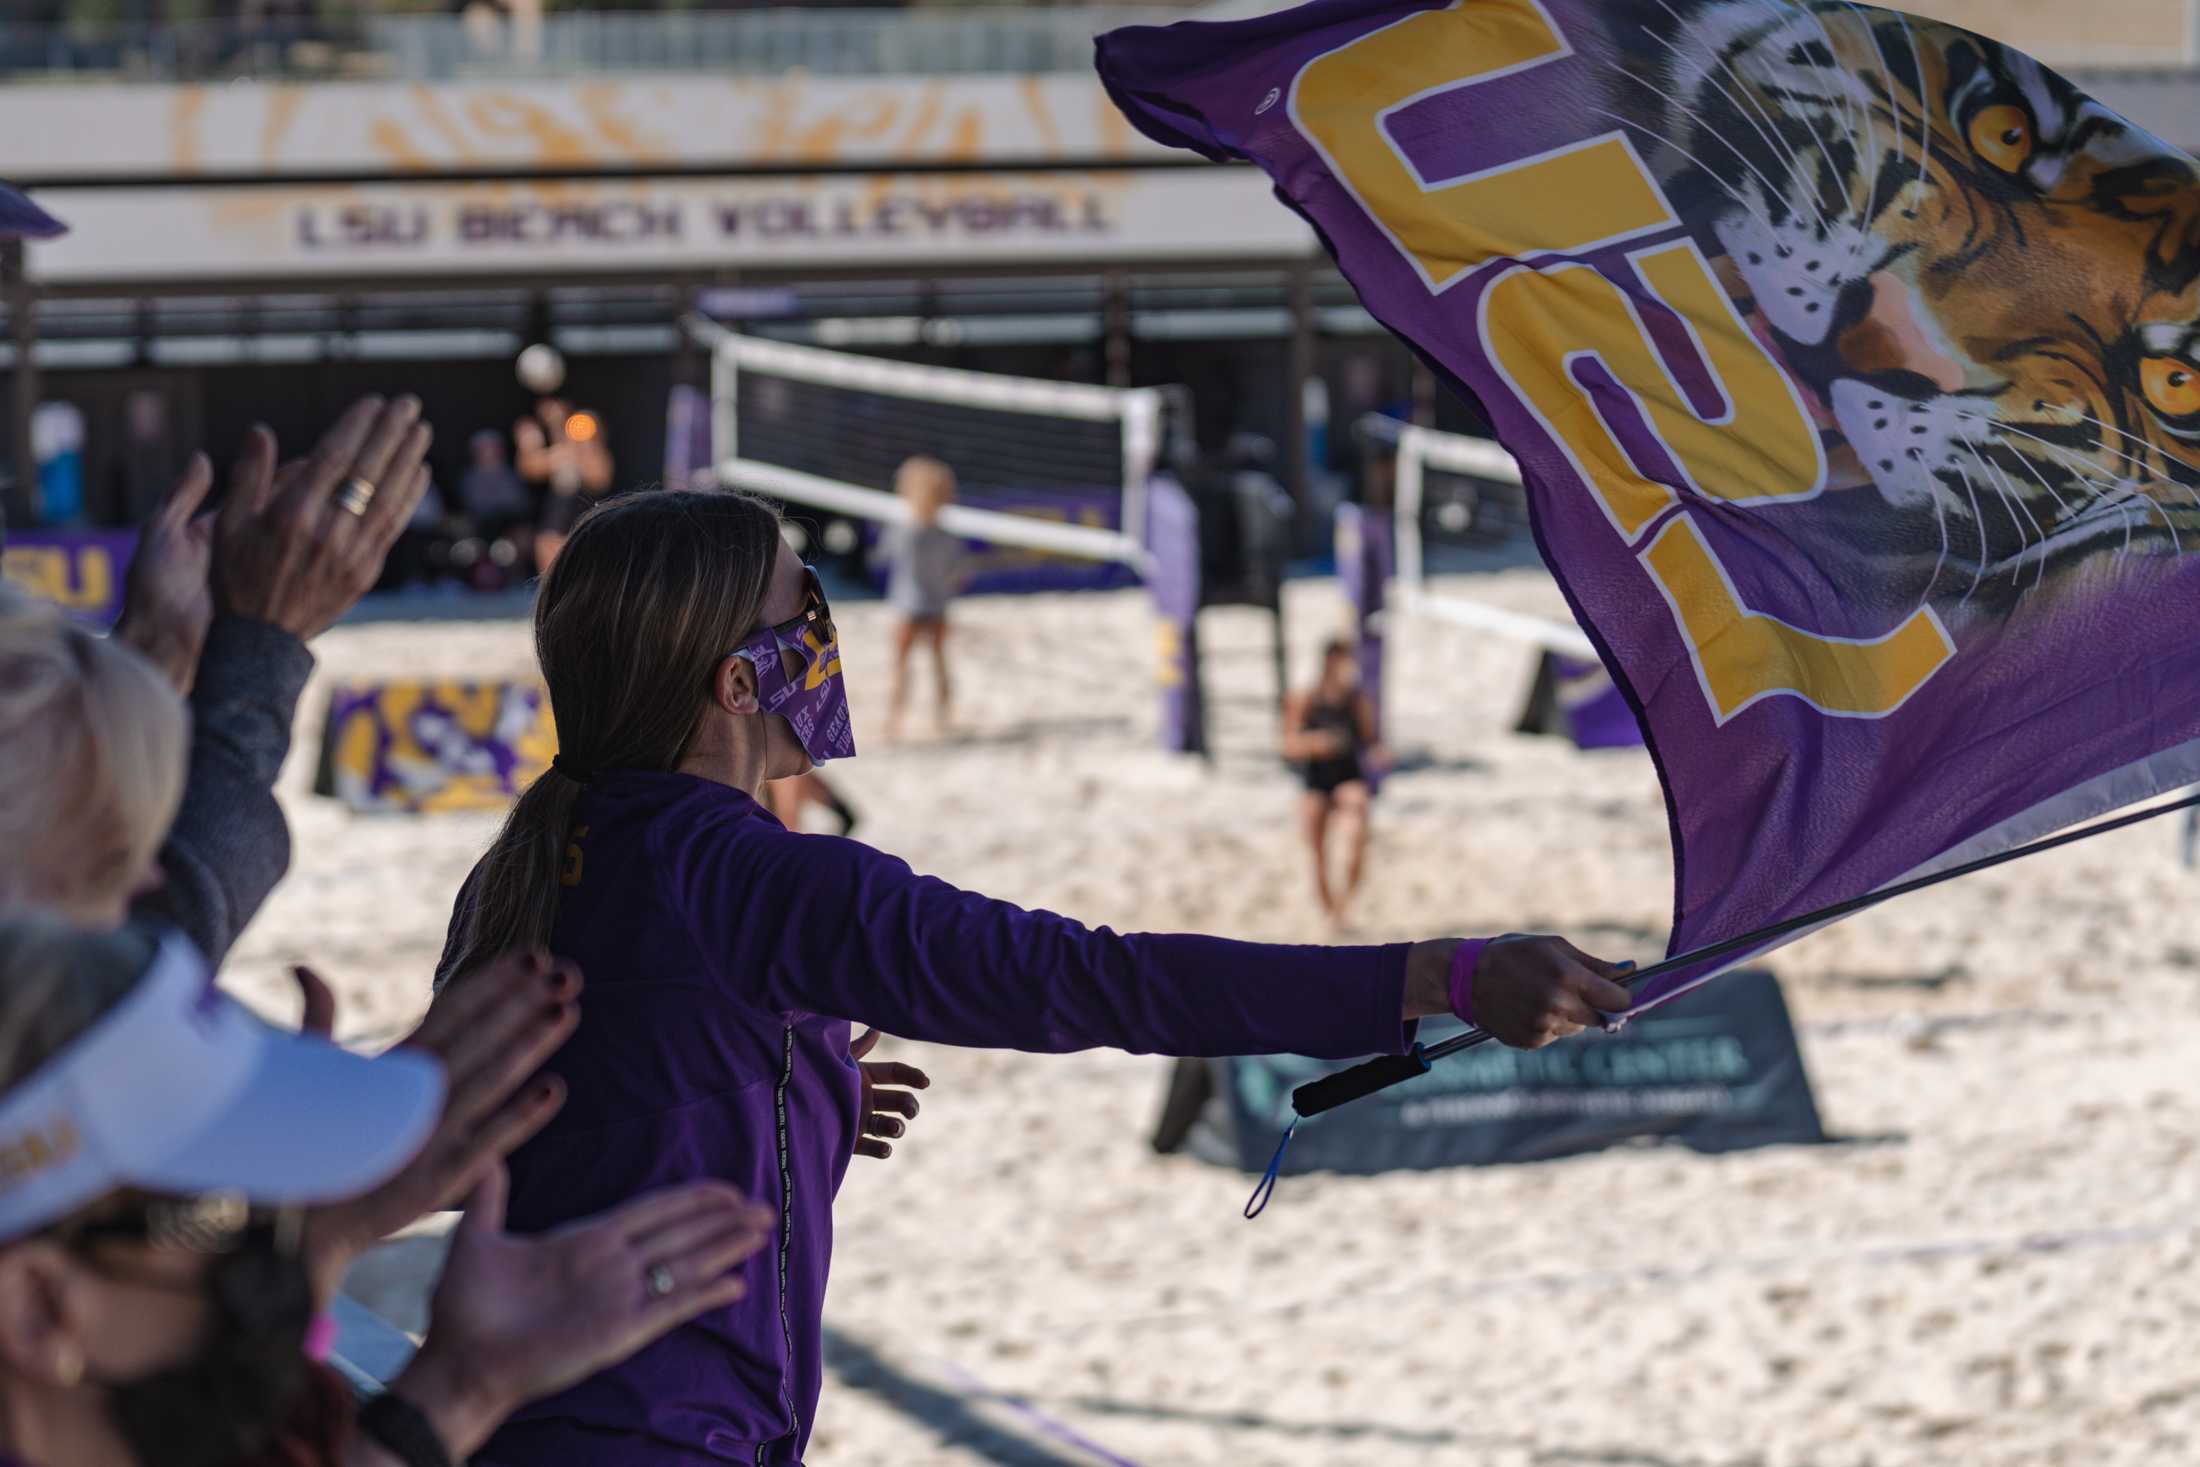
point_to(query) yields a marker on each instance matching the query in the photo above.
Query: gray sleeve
(230, 845)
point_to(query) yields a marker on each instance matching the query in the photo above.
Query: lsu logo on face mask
(822, 660)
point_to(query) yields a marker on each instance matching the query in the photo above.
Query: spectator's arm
(229, 845)
(287, 567)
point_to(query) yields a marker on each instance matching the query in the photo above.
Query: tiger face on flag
(1871, 187)
(1853, 364)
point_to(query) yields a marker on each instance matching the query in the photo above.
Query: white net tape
(797, 487)
(845, 418)
(1422, 449)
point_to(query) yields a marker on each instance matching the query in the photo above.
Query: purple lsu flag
(1853, 364)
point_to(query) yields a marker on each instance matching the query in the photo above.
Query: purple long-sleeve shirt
(726, 958)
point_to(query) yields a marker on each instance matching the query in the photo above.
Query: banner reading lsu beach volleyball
(1853, 363)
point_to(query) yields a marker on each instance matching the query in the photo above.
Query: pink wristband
(321, 1338)
(1463, 961)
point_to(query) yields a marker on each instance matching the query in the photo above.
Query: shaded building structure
(262, 233)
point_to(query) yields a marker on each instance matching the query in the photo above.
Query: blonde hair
(927, 484)
(93, 742)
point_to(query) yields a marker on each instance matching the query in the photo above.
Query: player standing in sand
(690, 657)
(926, 571)
(1329, 734)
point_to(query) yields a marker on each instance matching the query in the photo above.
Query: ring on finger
(658, 1280)
(356, 494)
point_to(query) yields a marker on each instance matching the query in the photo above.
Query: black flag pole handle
(1364, 1079)
(1331, 1091)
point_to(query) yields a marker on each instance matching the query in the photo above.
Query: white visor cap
(179, 1089)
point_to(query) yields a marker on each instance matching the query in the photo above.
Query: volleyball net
(1454, 498)
(1060, 485)
(1054, 469)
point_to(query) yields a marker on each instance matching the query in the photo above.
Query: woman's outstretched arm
(829, 926)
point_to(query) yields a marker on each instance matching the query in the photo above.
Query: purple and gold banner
(80, 571)
(419, 747)
(1853, 363)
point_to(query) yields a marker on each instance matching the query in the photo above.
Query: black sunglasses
(816, 614)
(254, 1273)
(214, 1223)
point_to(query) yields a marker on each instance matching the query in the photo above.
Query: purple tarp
(1851, 363)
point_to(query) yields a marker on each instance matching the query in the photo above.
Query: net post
(1298, 455)
(1406, 492)
(21, 295)
(725, 402)
(1365, 550)
(1141, 454)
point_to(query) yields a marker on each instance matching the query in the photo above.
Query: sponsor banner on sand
(1713, 1071)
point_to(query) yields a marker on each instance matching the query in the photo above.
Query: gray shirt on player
(927, 568)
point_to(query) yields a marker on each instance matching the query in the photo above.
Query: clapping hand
(492, 1029)
(515, 1318)
(168, 600)
(887, 1104)
(299, 546)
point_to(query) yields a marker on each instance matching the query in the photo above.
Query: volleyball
(541, 368)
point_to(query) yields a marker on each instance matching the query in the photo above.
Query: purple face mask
(814, 701)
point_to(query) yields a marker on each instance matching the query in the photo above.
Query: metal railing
(201, 50)
(962, 40)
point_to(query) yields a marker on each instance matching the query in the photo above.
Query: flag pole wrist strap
(1460, 988)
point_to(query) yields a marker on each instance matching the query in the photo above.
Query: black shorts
(1326, 776)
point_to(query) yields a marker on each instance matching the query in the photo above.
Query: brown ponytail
(643, 603)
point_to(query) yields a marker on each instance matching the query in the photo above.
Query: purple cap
(22, 219)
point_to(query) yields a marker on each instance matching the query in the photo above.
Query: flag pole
(1331, 1091)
